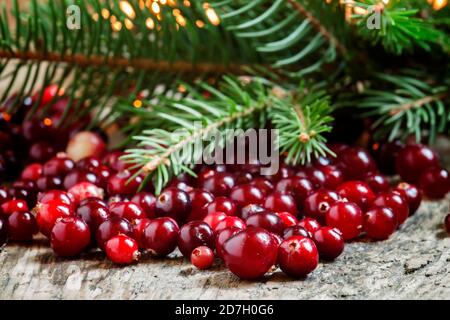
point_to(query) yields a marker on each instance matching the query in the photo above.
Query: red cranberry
(120, 184)
(11, 206)
(214, 218)
(230, 222)
(318, 203)
(395, 202)
(447, 223)
(299, 187)
(288, 219)
(58, 166)
(281, 202)
(377, 182)
(333, 177)
(103, 173)
(85, 144)
(295, 231)
(199, 199)
(221, 204)
(243, 178)
(219, 184)
(89, 163)
(250, 210)
(246, 194)
(358, 192)
(298, 256)
(283, 172)
(84, 190)
(41, 152)
(70, 236)
(112, 160)
(50, 212)
(94, 212)
(347, 217)
(309, 224)
(139, 226)
(46, 183)
(250, 253)
(193, 235)
(263, 184)
(122, 249)
(32, 172)
(413, 160)
(266, 220)
(35, 130)
(173, 203)
(3, 232)
(385, 155)
(111, 228)
(222, 236)
(127, 210)
(356, 163)
(329, 242)
(147, 202)
(182, 185)
(79, 175)
(380, 223)
(412, 194)
(202, 257)
(58, 195)
(435, 183)
(22, 226)
(3, 195)
(161, 236)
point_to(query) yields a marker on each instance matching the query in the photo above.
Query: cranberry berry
(214, 218)
(281, 202)
(58, 166)
(139, 226)
(377, 182)
(413, 160)
(48, 213)
(202, 257)
(111, 228)
(199, 199)
(266, 220)
(287, 219)
(174, 203)
(222, 236)
(127, 210)
(120, 184)
(380, 223)
(122, 249)
(219, 184)
(94, 212)
(435, 183)
(79, 175)
(295, 231)
(298, 256)
(161, 236)
(228, 222)
(84, 190)
(147, 202)
(32, 172)
(318, 203)
(298, 187)
(358, 192)
(412, 195)
(22, 226)
(246, 194)
(221, 204)
(396, 203)
(356, 163)
(12, 206)
(347, 217)
(193, 235)
(251, 209)
(309, 224)
(329, 242)
(70, 236)
(57, 195)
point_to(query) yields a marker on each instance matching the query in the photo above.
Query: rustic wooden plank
(414, 263)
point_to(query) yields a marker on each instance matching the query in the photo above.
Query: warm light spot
(181, 20)
(137, 104)
(155, 8)
(6, 116)
(159, 17)
(95, 16)
(47, 122)
(187, 3)
(176, 12)
(150, 23)
(386, 1)
(439, 4)
(182, 88)
(116, 26)
(127, 8)
(141, 4)
(172, 3)
(199, 23)
(163, 2)
(61, 92)
(211, 14)
(128, 24)
(360, 11)
(105, 13)
(375, 146)
(113, 19)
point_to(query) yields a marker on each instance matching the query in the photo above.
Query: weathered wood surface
(414, 263)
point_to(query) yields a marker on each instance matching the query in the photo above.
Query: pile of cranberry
(84, 199)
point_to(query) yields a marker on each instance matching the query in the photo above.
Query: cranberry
(41, 152)
(309, 224)
(395, 202)
(32, 172)
(412, 194)
(266, 220)
(295, 231)
(199, 199)
(221, 204)
(318, 203)
(356, 163)
(214, 218)
(250, 253)
(358, 192)
(84, 190)
(300, 188)
(298, 256)
(230, 222)
(173, 203)
(11, 206)
(3, 195)
(70, 236)
(377, 182)
(447, 223)
(283, 172)
(58, 166)
(127, 210)
(193, 235)
(89, 163)
(111, 228)
(93, 211)
(202, 257)
(103, 173)
(85, 144)
(326, 176)
(35, 130)
(329, 242)
(79, 175)
(45, 183)
(380, 223)
(413, 160)
(246, 194)
(180, 185)
(50, 212)
(347, 217)
(122, 249)
(219, 184)
(386, 154)
(22, 226)
(112, 160)
(161, 236)
(435, 183)
(263, 184)
(288, 219)
(250, 210)
(120, 184)
(139, 226)
(58, 195)
(222, 236)
(281, 202)
(244, 178)
(147, 202)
